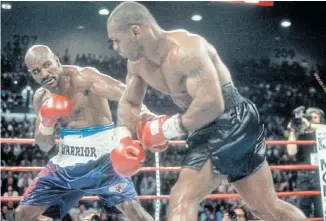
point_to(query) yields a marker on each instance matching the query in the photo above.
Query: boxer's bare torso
(190, 71)
(89, 109)
(82, 95)
(167, 78)
(86, 88)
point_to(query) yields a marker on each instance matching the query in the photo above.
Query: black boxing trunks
(234, 142)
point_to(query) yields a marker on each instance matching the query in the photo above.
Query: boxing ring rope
(157, 169)
(175, 142)
(173, 169)
(158, 187)
(211, 196)
(166, 197)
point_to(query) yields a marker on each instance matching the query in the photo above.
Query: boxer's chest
(162, 79)
(165, 80)
(79, 99)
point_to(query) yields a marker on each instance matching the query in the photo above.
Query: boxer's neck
(156, 46)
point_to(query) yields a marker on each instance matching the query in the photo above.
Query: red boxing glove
(144, 117)
(55, 107)
(139, 130)
(157, 132)
(128, 157)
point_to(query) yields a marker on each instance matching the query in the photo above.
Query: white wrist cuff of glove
(46, 130)
(122, 132)
(172, 127)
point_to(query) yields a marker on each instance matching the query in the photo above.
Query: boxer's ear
(57, 60)
(136, 30)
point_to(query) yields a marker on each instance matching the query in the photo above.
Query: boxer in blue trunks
(76, 98)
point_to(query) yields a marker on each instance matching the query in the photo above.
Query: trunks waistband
(86, 131)
(231, 96)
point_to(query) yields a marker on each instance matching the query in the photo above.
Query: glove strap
(172, 127)
(46, 130)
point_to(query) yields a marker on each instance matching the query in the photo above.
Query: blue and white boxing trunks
(82, 166)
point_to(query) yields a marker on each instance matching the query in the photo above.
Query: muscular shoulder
(88, 74)
(88, 69)
(82, 77)
(187, 42)
(75, 71)
(188, 50)
(71, 70)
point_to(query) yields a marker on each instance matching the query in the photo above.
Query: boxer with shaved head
(77, 99)
(225, 133)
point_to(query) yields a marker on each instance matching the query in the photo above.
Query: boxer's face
(126, 43)
(45, 69)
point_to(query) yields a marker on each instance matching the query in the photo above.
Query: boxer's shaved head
(127, 14)
(133, 30)
(36, 54)
(43, 65)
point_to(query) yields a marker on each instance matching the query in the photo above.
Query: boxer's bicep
(100, 84)
(202, 84)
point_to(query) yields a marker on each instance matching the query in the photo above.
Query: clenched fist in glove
(55, 107)
(128, 156)
(155, 134)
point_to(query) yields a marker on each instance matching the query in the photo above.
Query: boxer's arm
(45, 142)
(203, 86)
(130, 104)
(103, 85)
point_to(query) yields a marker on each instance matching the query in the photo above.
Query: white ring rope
(158, 187)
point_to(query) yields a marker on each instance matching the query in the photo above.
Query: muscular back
(170, 76)
(89, 109)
